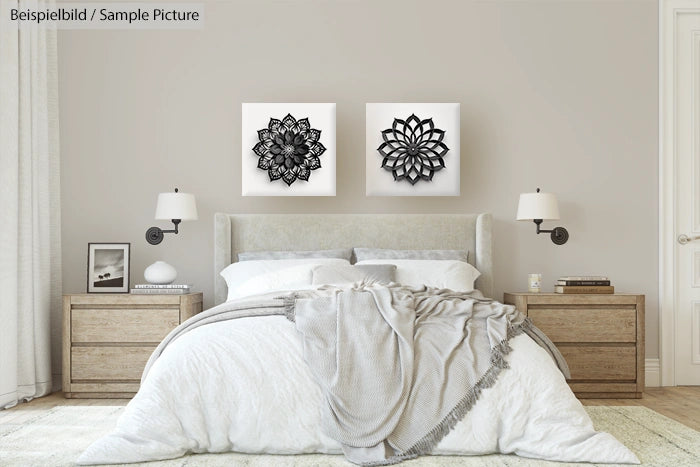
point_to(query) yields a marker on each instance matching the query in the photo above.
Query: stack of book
(170, 289)
(583, 284)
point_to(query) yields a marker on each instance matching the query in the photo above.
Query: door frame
(669, 11)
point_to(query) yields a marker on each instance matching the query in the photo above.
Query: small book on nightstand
(566, 289)
(582, 282)
(160, 289)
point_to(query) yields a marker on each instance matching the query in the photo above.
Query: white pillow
(261, 276)
(443, 274)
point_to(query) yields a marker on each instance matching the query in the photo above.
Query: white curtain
(30, 255)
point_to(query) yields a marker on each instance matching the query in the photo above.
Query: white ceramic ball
(160, 273)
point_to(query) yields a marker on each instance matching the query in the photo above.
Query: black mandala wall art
(289, 149)
(413, 141)
(413, 149)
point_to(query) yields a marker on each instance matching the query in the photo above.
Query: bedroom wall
(556, 94)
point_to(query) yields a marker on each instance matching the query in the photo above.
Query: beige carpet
(55, 437)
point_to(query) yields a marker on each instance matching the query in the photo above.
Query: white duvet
(242, 385)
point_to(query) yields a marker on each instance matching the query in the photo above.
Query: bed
(239, 377)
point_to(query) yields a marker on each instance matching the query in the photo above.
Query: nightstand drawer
(109, 363)
(586, 324)
(122, 325)
(600, 362)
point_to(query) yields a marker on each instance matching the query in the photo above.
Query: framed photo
(108, 267)
(288, 149)
(412, 149)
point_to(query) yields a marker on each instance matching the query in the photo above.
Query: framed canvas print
(288, 149)
(108, 267)
(412, 149)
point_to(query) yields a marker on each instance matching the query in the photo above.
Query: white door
(687, 196)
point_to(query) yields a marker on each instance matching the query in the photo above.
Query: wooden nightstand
(600, 336)
(107, 339)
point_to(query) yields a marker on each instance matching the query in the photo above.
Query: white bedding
(241, 385)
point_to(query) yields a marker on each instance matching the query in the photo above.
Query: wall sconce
(174, 206)
(537, 207)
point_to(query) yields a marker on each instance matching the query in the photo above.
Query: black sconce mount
(559, 235)
(155, 235)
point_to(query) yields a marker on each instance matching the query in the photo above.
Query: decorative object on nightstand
(108, 267)
(600, 336)
(107, 339)
(584, 284)
(534, 282)
(538, 207)
(160, 273)
(176, 207)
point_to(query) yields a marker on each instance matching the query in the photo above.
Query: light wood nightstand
(601, 337)
(107, 339)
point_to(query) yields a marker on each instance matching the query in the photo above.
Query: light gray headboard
(234, 233)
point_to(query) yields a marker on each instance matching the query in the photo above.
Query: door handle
(683, 238)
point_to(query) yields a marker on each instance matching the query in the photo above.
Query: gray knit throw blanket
(399, 366)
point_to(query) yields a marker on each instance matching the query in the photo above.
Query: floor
(680, 403)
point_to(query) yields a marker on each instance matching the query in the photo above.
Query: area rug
(55, 437)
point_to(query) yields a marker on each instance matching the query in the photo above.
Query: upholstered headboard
(234, 233)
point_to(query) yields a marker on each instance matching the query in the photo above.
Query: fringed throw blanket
(399, 366)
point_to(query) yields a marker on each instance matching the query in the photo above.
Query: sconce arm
(559, 235)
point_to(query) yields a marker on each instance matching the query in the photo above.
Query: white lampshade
(537, 206)
(176, 206)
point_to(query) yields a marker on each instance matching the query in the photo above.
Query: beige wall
(556, 94)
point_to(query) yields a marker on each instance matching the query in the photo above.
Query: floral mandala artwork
(289, 149)
(413, 149)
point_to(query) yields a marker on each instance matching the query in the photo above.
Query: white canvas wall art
(288, 149)
(412, 149)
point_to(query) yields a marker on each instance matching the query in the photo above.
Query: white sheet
(241, 385)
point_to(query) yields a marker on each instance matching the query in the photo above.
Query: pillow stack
(261, 272)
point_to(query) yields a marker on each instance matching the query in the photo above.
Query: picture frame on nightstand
(108, 267)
